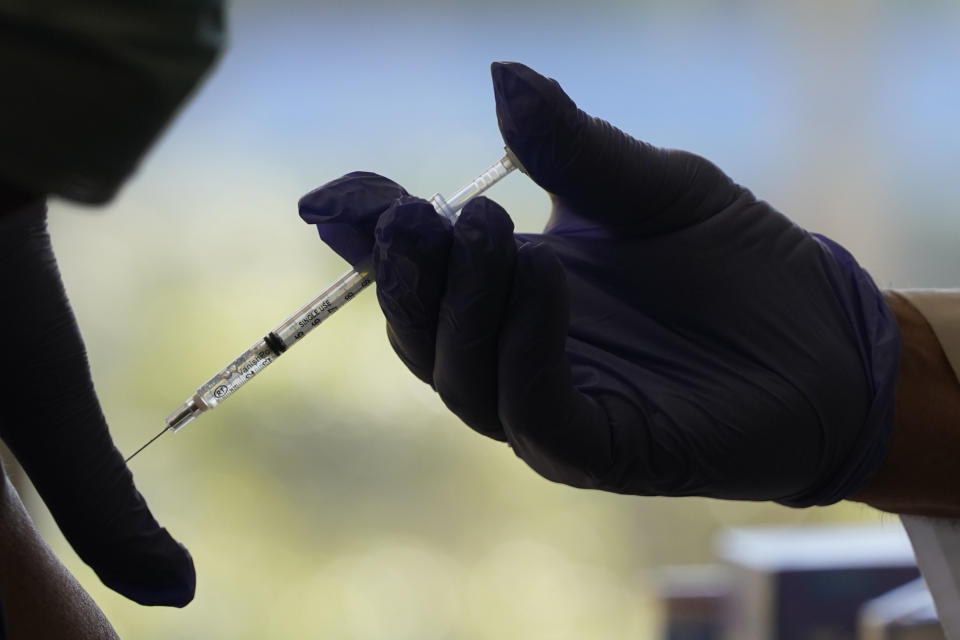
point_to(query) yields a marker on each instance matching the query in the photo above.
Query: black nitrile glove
(52, 422)
(668, 334)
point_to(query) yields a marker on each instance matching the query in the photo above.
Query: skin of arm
(41, 598)
(920, 475)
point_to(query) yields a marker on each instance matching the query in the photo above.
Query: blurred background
(335, 497)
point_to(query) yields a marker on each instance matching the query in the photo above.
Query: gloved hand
(52, 422)
(668, 333)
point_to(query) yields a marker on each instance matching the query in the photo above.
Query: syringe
(309, 316)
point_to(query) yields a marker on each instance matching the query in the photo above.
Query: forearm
(920, 474)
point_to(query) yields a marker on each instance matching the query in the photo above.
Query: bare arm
(921, 475)
(41, 598)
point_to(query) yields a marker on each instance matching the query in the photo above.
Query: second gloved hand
(53, 424)
(667, 334)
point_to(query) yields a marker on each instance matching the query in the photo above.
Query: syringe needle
(165, 429)
(341, 291)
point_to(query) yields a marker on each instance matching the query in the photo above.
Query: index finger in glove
(346, 211)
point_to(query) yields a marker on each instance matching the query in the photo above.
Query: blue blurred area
(843, 115)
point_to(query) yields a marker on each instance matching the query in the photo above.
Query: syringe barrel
(264, 352)
(235, 375)
(311, 315)
(224, 384)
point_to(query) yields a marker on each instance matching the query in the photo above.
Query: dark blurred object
(906, 613)
(88, 85)
(694, 600)
(809, 583)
